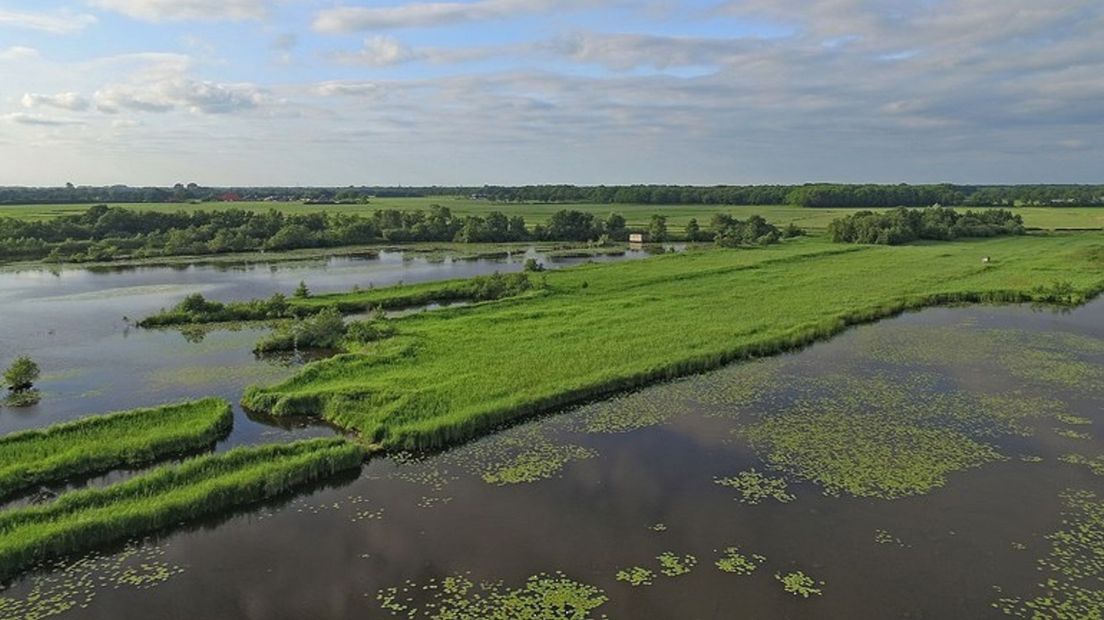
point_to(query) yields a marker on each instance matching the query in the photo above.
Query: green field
(590, 331)
(636, 215)
(102, 443)
(82, 520)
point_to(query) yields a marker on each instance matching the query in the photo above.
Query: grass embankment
(599, 329)
(164, 497)
(101, 443)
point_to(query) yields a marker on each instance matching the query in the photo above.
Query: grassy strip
(196, 310)
(601, 329)
(169, 495)
(101, 443)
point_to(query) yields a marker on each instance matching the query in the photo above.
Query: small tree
(22, 374)
(657, 228)
(693, 231)
(301, 291)
(532, 265)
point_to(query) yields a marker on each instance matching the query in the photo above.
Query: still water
(841, 437)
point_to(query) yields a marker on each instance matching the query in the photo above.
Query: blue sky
(301, 92)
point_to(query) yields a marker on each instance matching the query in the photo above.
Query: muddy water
(612, 485)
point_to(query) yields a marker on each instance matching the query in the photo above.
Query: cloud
(196, 96)
(18, 52)
(387, 51)
(422, 14)
(65, 101)
(183, 10)
(55, 22)
(39, 120)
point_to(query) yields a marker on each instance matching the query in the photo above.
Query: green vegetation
(81, 520)
(22, 374)
(672, 565)
(195, 309)
(798, 583)
(102, 443)
(543, 597)
(731, 233)
(737, 563)
(324, 330)
(600, 329)
(636, 576)
(940, 223)
(754, 487)
(1074, 567)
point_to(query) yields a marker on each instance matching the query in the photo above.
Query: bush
(533, 266)
(323, 330)
(22, 374)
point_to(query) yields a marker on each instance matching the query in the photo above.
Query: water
(610, 485)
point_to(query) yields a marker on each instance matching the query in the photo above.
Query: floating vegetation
(672, 565)
(798, 583)
(367, 515)
(1019, 546)
(1031, 458)
(1095, 464)
(737, 563)
(636, 576)
(536, 463)
(543, 597)
(518, 455)
(658, 527)
(864, 453)
(882, 537)
(1072, 420)
(1069, 433)
(754, 487)
(431, 501)
(75, 584)
(1074, 567)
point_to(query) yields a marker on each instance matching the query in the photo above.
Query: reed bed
(600, 329)
(101, 443)
(81, 520)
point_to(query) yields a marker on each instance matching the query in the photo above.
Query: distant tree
(532, 265)
(657, 228)
(616, 228)
(693, 231)
(301, 291)
(22, 374)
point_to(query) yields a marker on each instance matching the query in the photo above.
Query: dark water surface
(597, 489)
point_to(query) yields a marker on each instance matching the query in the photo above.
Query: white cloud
(420, 14)
(64, 101)
(201, 97)
(22, 118)
(18, 52)
(180, 10)
(55, 22)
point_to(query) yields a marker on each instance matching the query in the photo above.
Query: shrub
(22, 374)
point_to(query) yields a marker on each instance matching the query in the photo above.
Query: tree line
(807, 195)
(900, 226)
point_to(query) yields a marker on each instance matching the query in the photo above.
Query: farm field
(636, 215)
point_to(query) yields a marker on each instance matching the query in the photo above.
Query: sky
(472, 92)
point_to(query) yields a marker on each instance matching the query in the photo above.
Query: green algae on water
(547, 596)
(754, 487)
(732, 561)
(798, 583)
(882, 537)
(636, 576)
(672, 565)
(1073, 586)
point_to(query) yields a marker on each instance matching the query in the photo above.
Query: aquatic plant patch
(798, 583)
(1073, 569)
(101, 443)
(754, 487)
(672, 564)
(169, 495)
(546, 596)
(732, 561)
(636, 576)
(75, 584)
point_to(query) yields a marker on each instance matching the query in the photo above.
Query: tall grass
(81, 520)
(604, 328)
(101, 443)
